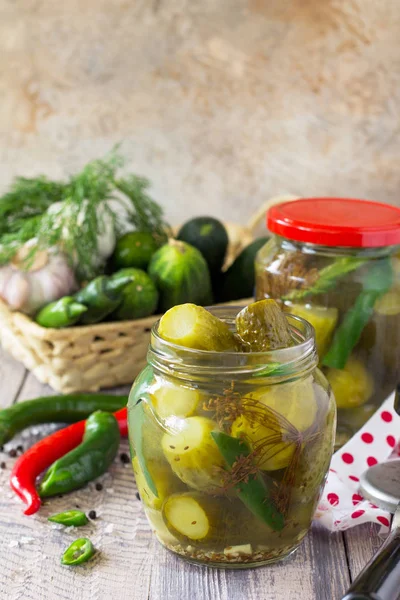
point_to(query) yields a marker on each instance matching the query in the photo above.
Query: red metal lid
(336, 222)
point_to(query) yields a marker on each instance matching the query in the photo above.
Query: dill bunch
(67, 215)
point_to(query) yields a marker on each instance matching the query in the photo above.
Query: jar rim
(281, 363)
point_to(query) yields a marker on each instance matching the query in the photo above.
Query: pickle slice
(193, 326)
(192, 517)
(164, 480)
(323, 320)
(159, 527)
(293, 408)
(389, 304)
(273, 450)
(193, 454)
(171, 399)
(352, 386)
(263, 326)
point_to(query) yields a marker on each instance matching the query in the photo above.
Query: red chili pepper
(42, 455)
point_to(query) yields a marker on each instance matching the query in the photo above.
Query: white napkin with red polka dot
(341, 505)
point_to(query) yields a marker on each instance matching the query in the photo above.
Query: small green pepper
(70, 518)
(78, 552)
(253, 492)
(376, 282)
(63, 313)
(86, 462)
(54, 409)
(101, 297)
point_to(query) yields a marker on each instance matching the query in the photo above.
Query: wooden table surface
(131, 565)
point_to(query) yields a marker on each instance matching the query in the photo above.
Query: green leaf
(376, 282)
(328, 277)
(77, 225)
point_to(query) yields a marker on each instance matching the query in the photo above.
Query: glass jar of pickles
(335, 262)
(231, 429)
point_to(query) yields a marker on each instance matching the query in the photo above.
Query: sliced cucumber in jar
(273, 419)
(193, 326)
(193, 454)
(352, 386)
(324, 321)
(170, 399)
(164, 480)
(263, 326)
(193, 517)
(272, 451)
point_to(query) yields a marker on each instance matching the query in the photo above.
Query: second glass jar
(335, 262)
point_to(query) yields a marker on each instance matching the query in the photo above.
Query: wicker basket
(87, 358)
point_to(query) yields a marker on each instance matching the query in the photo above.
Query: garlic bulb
(48, 278)
(106, 238)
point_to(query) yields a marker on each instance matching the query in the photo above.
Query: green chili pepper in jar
(78, 552)
(86, 462)
(376, 282)
(101, 297)
(54, 409)
(63, 313)
(252, 490)
(70, 518)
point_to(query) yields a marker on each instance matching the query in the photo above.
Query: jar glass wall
(352, 298)
(231, 450)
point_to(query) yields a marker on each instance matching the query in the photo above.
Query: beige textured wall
(220, 102)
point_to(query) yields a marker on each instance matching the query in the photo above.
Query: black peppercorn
(3, 465)
(124, 458)
(92, 514)
(12, 453)
(98, 487)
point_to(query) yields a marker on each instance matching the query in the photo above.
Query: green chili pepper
(253, 492)
(62, 313)
(86, 462)
(54, 409)
(101, 297)
(376, 282)
(79, 552)
(137, 421)
(73, 518)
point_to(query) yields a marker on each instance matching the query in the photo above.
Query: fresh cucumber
(181, 275)
(239, 280)
(209, 236)
(139, 298)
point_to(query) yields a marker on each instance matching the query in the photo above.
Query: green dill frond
(76, 223)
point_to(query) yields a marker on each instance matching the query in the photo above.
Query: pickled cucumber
(294, 409)
(323, 320)
(193, 326)
(275, 452)
(160, 529)
(352, 386)
(389, 304)
(165, 482)
(193, 517)
(171, 399)
(193, 454)
(263, 326)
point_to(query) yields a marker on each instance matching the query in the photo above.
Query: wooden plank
(361, 544)
(317, 571)
(30, 548)
(12, 376)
